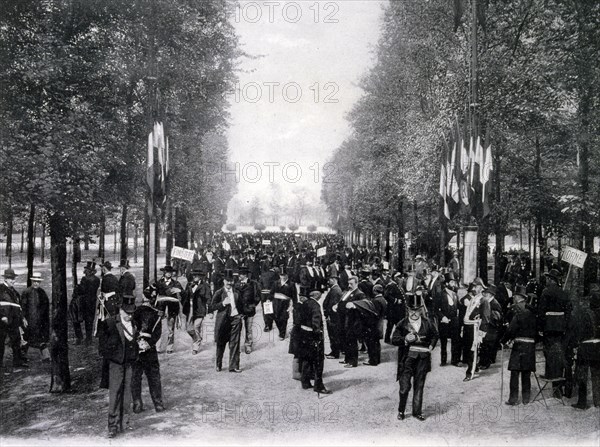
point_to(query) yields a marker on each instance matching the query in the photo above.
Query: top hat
(90, 265)
(554, 274)
(243, 270)
(375, 273)
(228, 275)
(167, 269)
(106, 264)
(197, 273)
(10, 273)
(414, 302)
(124, 263)
(449, 277)
(36, 276)
(128, 304)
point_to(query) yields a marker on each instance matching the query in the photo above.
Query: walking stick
(501, 372)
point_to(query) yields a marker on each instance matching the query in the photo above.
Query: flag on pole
(454, 192)
(150, 165)
(486, 179)
(465, 190)
(444, 182)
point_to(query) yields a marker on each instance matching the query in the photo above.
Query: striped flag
(486, 179)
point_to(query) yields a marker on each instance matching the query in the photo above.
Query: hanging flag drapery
(157, 168)
(466, 174)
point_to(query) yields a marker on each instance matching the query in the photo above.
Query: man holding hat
(195, 299)
(169, 301)
(554, 312)
(11, 319)
(522, 330)
(119, 346)
(36, 311)
(228, 322)
(415, 336)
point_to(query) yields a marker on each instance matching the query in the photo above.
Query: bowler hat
(10, 273)
(167, 268)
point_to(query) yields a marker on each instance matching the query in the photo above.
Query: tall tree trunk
(9, 235)
(102, 236)
(124, 244)
(135, 242)
(30, 242)
(500, 228)
(169, 233)
(22, 238)
(43, 244)
(534, 253)
(115, 239)
(400, 224)
(180, 228)
(59, 349)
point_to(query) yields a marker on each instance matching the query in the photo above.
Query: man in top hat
(169, 301)
(554, 311)
(312, 352)
(522, 331)
(253, 265)
(415, 336)
(333, 321)
(87, 301)
(446, 310)
(364, 284)
(344, 275)
(282, 294)
(36, 311)
(11, 319)
(218, 269)
(195, 300)
(476, 322)
(111, 296)
(118, 345)
(308, 278)
(127, 279)
(147, 319)
(228, 322)
(489, 345)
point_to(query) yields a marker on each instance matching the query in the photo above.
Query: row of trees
(82, 83)
(539, 99)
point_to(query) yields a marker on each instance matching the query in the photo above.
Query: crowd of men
(365, 301)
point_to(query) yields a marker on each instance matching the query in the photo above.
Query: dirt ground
(264, 406)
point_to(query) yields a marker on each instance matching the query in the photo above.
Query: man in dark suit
(228, 323)
(118, 345)
(446, 311)
(395, 311)
(282, 294)
(195, 299)
(333, 322)
(352, 328)
(11, 319)
(415, 336)
(218, 270)
(127, 280)
(147, 320)
(169, 301)
(345, 274)
(86, 299)
(312, 344)
(110, 302)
